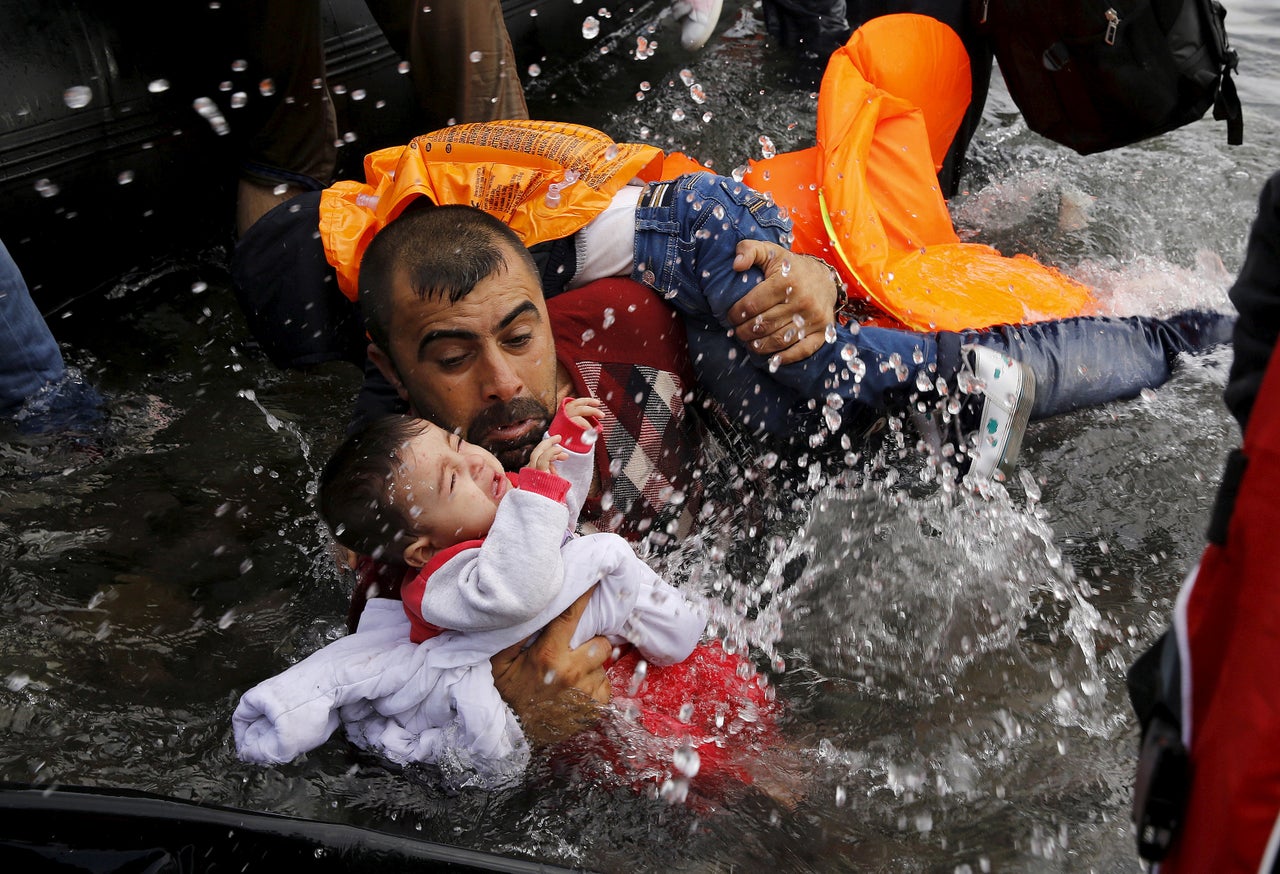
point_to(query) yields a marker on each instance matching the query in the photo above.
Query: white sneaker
(697, 19)
(977, 432)
(995, 416)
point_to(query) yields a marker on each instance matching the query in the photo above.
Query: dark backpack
(1098, 74)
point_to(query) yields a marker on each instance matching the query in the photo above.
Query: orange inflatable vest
(544, 179)
(865, 198)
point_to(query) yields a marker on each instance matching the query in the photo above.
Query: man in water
(464, 335)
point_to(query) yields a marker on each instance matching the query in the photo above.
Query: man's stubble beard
(514, 454)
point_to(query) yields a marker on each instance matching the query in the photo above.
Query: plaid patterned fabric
(652, 446)
(623, 345)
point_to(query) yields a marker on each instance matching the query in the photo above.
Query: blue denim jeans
(29, 356)
(687, 230)
(36, 387)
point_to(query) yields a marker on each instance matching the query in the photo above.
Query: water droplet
(226, 620)
(841, 796)
(239, 99)
(590, 28)
(687, 761)
(830, 334)
(775, 361)
(609, 318)
(534, 71)
(476, 57)
(45, 188)
(686, 76)
(677, 114)
(707, 116)
(209, 111)
(267, 87)
(697, 94)
(199, 287)
(767, 148)
(402, 67)
(158, 86)
(17, 681)
(77, 96)
(124, 177)
(674, 791)
(359, 94)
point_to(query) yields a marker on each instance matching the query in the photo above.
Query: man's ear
(388, 368)
(419, 552)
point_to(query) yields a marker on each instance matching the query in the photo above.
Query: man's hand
(555, 692)
(788, 312)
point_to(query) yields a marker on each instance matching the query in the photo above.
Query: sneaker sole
(1021, 417)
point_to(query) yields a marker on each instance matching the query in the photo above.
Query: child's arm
(577, 425)
(631, 602)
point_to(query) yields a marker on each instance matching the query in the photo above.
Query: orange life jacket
(865, 198)
(544, 179)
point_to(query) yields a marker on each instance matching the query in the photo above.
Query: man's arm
(787, 314)
(555, 691)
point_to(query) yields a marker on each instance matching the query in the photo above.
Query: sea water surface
(952, 669)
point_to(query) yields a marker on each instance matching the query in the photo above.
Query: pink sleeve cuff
(572, 437)
(544, 483)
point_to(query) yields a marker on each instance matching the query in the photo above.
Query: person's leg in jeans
(29, 356)
(36, 386)
(686, 233)
(1087, 361)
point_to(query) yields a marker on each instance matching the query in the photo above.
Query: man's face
(484, 367)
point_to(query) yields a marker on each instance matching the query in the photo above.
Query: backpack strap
(1226, 104)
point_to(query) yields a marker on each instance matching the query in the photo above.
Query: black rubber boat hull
(94, 191)
(98, 831)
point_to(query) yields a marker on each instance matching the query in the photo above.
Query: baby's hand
(584, 412)
(546, 454)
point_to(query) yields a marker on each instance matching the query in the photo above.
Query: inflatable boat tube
(104, 162)
(114, 831)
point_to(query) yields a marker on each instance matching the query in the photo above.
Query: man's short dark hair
(441, 251)
(355, 499)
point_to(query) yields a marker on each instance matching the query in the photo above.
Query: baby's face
(449, 488)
